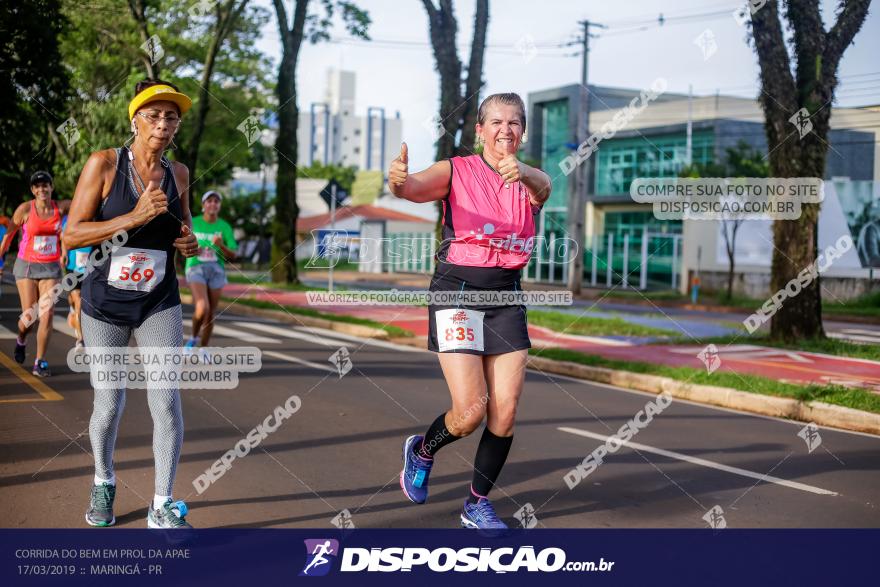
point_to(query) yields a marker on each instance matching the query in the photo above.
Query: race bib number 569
(459, 329)
(136, 269)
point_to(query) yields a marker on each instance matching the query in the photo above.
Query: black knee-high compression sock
(436, 438)
(491, 455)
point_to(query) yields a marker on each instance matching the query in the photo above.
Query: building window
(357, 132)
(620, 161)
(553, 149)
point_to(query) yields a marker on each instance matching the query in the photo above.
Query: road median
(781, 407)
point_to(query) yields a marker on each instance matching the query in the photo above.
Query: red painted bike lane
(780, 364)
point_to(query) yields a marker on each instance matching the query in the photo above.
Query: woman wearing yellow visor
(134, 194)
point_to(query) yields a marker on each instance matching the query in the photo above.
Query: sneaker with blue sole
(481, 516)
(100, 512)
(415, 473)
(41, 368)
(171, 516)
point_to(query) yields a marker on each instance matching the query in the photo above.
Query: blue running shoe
(190, 345)
(171, 516)
(41, 368)
(414, 476)
(481, 516)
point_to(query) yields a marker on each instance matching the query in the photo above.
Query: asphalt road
(341, 450)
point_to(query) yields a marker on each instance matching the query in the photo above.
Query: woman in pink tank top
(489, 202)
(38, 264)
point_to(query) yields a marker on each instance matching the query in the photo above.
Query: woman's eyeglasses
(154, 119)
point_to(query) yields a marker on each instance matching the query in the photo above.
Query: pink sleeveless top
(40, 237)
(486, 224)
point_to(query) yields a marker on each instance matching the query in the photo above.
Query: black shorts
(504, 327)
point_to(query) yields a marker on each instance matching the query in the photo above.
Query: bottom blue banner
(389, 557)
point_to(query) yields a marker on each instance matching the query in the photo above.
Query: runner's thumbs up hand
(150, 204)
(186, 243)
(399, 170)
(510, 169)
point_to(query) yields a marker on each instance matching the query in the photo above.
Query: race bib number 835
(459, 329)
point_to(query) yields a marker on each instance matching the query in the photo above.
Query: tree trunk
(138, 10)
(791, 152)
(263, 198)
(227, 13)
(730, 245)
(286, 210)
(474, 81)
(458, 114)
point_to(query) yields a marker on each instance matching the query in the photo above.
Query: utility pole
(689, 143)
(577, 195)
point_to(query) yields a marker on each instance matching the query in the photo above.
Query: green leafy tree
(105, 60)
(34, 86)
(313, 27)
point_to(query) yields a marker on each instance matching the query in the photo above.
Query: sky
(396, 71)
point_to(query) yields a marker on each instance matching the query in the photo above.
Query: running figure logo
(706, 42)
(201, 8)
(715, 518)
(709, 357)
(801, 121)
(319, 556)
(70, 131)
(526, 516)
(810, 434)
(153, 48)
(251, 129)
(343, 520)
(526, 47)
(342, 360)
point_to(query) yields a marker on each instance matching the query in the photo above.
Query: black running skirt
(504, 327)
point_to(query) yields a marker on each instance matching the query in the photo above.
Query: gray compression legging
(162, 329)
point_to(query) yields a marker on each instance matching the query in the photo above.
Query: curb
(298, 320)
(780, 407)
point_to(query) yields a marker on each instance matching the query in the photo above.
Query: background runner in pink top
(40, 237)
(486, 222)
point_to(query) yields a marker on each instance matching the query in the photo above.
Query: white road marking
(5, 333)
(289, 332)
(292, 359)
(845, 335)
(861, 331)
(704, 463)
(242, 335)
(371, 341)
(60, 324)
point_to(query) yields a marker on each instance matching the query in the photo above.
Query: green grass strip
(591, 326)
(858, 399)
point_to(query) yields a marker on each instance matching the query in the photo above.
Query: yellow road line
(46, 393)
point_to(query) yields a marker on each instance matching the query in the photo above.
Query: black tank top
(123, 307)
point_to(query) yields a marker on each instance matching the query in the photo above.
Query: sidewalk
(780, 364)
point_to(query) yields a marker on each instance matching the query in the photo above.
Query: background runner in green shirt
(206, 273)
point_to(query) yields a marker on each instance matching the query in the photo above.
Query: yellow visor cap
(157, 93)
